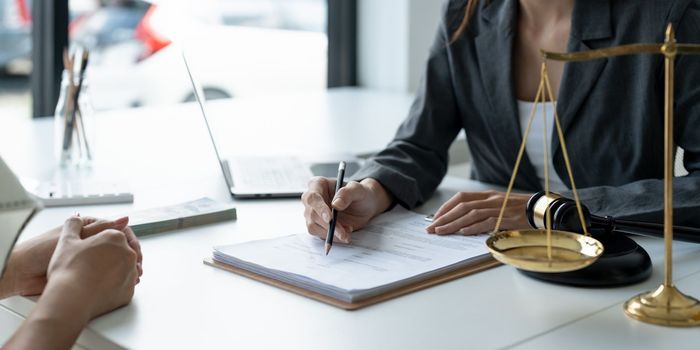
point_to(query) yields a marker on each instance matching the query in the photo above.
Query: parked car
(236, 48)
(109, 24)
(15, 31)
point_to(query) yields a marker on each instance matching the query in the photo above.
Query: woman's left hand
(471, 213)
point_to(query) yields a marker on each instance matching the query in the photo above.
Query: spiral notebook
(16, 209)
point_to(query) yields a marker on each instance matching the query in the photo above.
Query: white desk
(181, 303)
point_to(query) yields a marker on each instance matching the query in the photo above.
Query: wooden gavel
(565, 218)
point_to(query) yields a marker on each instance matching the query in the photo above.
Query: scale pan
(527, 250)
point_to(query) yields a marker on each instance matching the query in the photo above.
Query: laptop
(262, 177)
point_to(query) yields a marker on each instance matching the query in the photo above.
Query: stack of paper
(393, 251)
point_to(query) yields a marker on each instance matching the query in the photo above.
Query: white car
(229, 57)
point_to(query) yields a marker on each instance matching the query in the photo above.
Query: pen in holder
(73, 115)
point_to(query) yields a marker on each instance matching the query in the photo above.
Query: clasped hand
(27, 268)
(101, 270)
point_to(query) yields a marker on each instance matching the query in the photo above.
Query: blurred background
(238, 42)
(236, 47)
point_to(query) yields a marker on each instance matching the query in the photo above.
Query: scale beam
(624, 50)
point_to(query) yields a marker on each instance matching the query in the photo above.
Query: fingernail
(337, 202)
(326, 217)
(122, 220)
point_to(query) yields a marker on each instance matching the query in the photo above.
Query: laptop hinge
(227, 173)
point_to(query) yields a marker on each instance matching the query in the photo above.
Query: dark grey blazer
(611, 109)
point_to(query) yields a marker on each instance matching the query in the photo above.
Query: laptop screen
(199, 96)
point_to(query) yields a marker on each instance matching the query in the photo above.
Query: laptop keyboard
(270, 173)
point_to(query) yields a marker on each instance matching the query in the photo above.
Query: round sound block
(623, 262)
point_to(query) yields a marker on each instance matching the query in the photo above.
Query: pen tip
(328, 248)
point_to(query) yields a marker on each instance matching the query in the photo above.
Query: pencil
(78, 114)
(334, 212)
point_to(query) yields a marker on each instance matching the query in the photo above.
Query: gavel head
(563, 211)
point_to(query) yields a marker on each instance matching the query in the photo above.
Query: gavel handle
(680, 233)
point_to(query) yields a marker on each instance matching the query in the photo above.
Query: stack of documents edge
(392, 252)
(195, 213)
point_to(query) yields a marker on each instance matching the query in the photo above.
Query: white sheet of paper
(394, 248)
(16, 208)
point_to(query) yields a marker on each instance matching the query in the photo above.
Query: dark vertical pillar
(49, 37)
(342, 43)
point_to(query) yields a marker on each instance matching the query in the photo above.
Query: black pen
(334, 212)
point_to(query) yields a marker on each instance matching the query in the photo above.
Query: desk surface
(181, 303)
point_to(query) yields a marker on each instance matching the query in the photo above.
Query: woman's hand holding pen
(471, 213)
(357, 203)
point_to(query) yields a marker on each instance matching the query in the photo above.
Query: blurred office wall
(394, 37)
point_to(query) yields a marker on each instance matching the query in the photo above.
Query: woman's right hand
(100, 270)
(357, 203)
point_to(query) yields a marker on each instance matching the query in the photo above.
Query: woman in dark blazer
(485, 64)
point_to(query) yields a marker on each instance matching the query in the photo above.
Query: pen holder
(73, 124)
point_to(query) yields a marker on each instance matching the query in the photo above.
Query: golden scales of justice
(552, 251)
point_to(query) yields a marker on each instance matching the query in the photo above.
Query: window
(236, 47)
(15, 59)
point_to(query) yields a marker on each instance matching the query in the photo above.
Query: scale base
(623, 262)
(666, 306)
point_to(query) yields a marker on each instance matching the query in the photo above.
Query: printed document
(392, 251)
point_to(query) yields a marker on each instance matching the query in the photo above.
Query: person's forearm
(8, 282)
(6, 287)
(55, 322)
(16, 281)
(643, 200)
